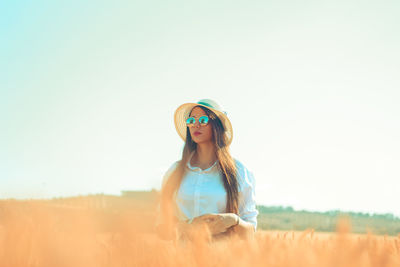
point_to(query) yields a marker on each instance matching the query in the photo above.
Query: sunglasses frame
(202, 124)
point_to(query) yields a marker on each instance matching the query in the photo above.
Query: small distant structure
(140, 195)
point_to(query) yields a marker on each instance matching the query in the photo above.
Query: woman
(207, 186)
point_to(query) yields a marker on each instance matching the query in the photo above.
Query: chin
(196, 140)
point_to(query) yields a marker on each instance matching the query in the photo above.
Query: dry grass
(39, 234)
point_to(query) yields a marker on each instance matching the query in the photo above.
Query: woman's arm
(165, 223)
(247, 205)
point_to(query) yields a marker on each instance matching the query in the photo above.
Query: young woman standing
(207, 186)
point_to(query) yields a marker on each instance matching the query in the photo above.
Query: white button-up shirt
(203, 191)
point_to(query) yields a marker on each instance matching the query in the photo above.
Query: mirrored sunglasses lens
(203, 120)
(190, 121)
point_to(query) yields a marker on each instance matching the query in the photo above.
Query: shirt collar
(198, 169)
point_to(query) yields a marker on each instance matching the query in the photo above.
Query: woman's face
(200, 134)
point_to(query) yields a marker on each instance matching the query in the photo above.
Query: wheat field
(40, 234)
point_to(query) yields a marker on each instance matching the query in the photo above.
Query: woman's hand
(217, 222)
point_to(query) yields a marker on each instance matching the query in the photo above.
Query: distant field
(269, 218)
(280, 218)
(320, 235)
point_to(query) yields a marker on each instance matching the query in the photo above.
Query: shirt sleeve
(168, 173)
(163, 182)
(247, 201)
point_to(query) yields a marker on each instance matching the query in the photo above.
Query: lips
(197, 133)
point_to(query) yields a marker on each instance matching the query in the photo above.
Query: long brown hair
(226, 166)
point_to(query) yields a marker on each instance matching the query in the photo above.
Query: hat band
(205, 104)
(208, 105)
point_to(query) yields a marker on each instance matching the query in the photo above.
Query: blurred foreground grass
(118, 231)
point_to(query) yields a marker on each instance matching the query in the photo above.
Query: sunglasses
(203, 120)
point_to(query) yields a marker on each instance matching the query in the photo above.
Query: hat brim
(183, 111)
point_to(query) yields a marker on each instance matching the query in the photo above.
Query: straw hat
(183, 111)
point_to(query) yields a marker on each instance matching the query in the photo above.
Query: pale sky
(312, 88)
